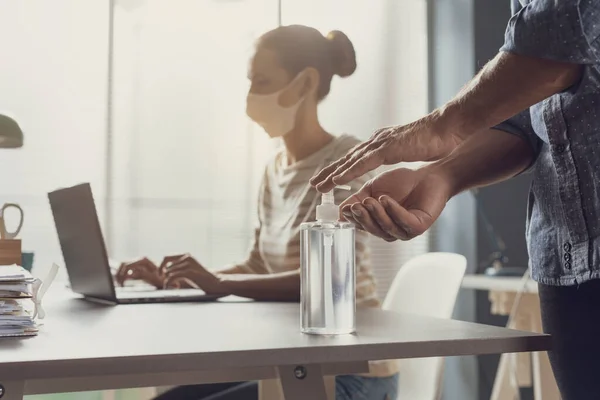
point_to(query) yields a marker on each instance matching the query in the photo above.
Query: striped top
(286, 200)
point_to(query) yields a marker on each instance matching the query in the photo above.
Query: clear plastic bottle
(328, 281)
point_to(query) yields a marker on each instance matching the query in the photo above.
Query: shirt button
(568, 265)
(567, 247)
(567, 256)
(560, 148)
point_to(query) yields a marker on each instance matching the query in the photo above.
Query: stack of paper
(16, 292)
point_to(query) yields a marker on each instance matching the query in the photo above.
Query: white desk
(531, 370)
(85, 346)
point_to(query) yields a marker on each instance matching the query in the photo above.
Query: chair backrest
(425, 285)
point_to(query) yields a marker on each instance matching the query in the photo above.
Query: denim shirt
(563, 223)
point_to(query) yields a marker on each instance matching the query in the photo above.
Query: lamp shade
(11, 136)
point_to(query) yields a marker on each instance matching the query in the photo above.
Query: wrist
(226, 282)
(447, 174)
(452, 119)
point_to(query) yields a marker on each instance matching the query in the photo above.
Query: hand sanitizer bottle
(327, 263)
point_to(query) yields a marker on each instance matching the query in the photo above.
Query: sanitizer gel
(327, 262)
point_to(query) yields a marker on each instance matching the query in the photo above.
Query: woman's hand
(185, 271)
(399, 204)
(147, 271)
(423, 140)
(143, 269)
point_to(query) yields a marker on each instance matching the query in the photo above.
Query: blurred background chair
(426, 285)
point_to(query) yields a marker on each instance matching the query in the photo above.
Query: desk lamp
(11, 136)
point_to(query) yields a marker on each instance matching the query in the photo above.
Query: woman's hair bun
(342, 54)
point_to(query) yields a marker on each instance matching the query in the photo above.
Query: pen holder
(10, 251)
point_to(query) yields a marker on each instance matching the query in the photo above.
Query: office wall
(53, 81)
(186, 162)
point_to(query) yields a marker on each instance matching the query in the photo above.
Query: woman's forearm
(507, 85)
(483, 159)
(232, 269)
(284, 286)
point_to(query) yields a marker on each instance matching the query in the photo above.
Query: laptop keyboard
(135, 293)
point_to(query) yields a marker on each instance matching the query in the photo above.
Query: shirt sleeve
(520, 125)
(560, 30)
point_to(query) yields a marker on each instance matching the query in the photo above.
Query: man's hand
(398, 204)
(184, 272)
(423, 140)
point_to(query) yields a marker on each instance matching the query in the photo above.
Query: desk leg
(503, 388)
(302, 382)
(544, 384)
(544, 387)
(12, 390)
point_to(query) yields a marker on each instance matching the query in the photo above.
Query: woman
(290, 73)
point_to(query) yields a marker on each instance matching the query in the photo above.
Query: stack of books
(17, 311)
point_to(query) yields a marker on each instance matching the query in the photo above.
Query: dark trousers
(571, 314)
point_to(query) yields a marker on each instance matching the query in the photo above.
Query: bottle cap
(329, 211)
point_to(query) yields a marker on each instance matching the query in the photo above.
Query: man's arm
(547, 43)
(486, 158)
(507, 85)
(404, 203)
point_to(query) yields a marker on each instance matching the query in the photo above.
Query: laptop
(84, 252)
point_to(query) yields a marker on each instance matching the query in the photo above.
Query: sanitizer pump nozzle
(328, 211)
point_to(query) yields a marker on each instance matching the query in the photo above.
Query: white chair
(425, 285)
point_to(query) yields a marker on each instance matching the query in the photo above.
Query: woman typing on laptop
(290, 73)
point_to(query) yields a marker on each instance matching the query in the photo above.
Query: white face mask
(264, 109)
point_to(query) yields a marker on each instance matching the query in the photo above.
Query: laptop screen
(81, 241)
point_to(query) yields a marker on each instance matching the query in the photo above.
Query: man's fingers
(348, 216)
(380, 216)
(323, 180)
(368, 162)
(405, 219)
(362, 216)
(358, 197)
(366, 159)
(348, 168)
(341, 167)
(322, 175)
